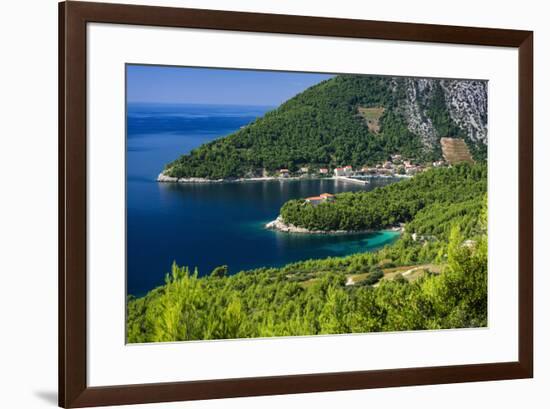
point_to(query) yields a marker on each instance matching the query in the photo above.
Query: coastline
(279, 225)
(162, 178)
(169, 179)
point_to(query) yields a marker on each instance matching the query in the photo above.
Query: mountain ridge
(321, 127)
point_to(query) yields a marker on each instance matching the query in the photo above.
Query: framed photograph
(254, 204)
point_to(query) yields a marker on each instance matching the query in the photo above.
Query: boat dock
(351, 179)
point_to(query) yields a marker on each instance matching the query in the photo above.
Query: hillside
(459, 189)
(348, 119)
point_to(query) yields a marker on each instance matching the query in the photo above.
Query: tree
(220, 271)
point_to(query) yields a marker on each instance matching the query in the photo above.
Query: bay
(208, 225)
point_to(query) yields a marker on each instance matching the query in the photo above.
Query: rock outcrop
(170, 179)
(466, 102)
(279, 225)
(164, 178)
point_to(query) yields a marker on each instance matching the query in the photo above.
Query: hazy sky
(214, 86)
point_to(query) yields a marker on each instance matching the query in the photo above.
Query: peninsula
(460, 187)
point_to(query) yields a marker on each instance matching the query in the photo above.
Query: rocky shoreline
(170, 179)
(279, 225)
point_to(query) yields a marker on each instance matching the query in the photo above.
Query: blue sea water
(205, 226)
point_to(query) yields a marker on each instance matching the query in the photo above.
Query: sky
(160, 84)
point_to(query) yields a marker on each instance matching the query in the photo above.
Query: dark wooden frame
(73, 388)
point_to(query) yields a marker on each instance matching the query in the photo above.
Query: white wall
(28, 222)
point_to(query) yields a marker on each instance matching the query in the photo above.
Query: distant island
(349, 120)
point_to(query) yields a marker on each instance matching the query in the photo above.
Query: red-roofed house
(339, 172)
(327, 196)
(314, 200)
(323, 197)
(345, 171)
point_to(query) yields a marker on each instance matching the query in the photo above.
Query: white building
(339, 172)
(345, 171)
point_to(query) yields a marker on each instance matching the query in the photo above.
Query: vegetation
(447, 227)
(326, 125)
(433, 191)
(440, 116)
(266, 302)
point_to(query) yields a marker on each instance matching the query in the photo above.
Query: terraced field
(455, 150)
(409, 273)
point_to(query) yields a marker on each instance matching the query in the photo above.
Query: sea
(203, 226)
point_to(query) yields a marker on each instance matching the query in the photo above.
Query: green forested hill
(456, 190)
(321, 127)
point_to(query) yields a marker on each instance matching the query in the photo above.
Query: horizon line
(201, 103)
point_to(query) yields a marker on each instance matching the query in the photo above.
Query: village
(395, 166)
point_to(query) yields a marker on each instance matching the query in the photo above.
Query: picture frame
(74, 17)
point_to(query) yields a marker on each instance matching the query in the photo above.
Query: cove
(208, 225)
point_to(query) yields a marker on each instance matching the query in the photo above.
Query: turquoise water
(366, 243)
(205, 226)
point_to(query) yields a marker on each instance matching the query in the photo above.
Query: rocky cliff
(465, 101)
